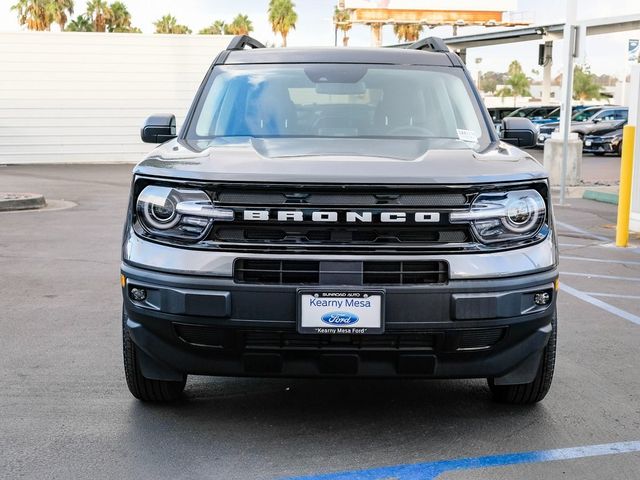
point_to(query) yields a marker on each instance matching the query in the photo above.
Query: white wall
(82, 97)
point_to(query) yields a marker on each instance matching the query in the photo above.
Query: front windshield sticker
(467, 135)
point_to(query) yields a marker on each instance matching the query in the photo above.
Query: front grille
(280, 272)
(292, 340)
(277, 271)
(341, 235)
(403, 273)
(311, 198)
(327, 236)
(479, 338)
(262, 339)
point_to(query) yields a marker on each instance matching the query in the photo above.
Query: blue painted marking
(431, 470)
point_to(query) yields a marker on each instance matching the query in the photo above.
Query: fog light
(138, 294)
(541, 298)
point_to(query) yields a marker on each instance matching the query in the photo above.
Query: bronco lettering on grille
(335, 216)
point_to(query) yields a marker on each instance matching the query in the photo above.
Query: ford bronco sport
(339, 212)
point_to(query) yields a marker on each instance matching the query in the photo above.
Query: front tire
(528, 393)
(141, 387)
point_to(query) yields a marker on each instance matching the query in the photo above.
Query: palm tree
(169, 24)
(216, 28)
(407, 32)
(222, 26)
(283, 17)
(341, 19)
(241, 25)
(517, 84)
(585, 86)
(100, 12)
(34, 14)
(58, 9)
(82, 23)
(120, 19)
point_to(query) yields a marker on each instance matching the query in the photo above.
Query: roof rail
(435, 44)
(239, 42)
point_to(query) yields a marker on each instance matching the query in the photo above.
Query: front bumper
(599, 146)
(542, 138)
(462, 329)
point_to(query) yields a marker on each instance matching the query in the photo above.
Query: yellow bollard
(624, 197)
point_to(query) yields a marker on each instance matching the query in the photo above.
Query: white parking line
(583, 232)
(596, 275)
(599, 260)
(613, 295)
(600, 304)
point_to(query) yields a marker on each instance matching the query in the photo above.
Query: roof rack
(435, 44)
(239, 42)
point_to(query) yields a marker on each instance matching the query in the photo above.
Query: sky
(604, 53)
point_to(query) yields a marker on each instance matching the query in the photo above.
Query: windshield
(521, 112)
(574, 111)
(585, 115)
(328, 101)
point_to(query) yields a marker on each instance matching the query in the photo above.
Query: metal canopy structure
(542, 33)
(599, 26)
(429, 13)
(571, 29)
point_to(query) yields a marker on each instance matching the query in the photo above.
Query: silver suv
(339, 212)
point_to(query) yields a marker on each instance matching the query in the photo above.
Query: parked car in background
(533, 113)
(601, 143)
(578, 118)
(606, 120)
(498, 113)
(554, 116)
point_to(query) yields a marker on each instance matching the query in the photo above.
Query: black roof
(391, 56)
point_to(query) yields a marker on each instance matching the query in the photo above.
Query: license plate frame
(309, 318)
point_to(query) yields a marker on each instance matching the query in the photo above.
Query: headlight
(504, 216)
(177, 213)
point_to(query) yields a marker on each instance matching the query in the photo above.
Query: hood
(615, 132)
(600, 128)
(587, 128)
(344, 160)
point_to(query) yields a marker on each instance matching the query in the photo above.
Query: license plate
(587, 143)
(340, 311)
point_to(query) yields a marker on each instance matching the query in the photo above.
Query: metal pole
(546, 73)
(624, 195)
(634, 119)
(567, 91)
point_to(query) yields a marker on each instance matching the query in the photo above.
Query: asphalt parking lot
(66, 412)
(596, 170)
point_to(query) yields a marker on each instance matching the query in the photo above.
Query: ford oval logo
(340, 318)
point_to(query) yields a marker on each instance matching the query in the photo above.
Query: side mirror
(158, 128)
(595, 120)
(518, 131)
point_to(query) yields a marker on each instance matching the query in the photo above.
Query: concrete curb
(598, 193)
(21, 201)
(600, 196)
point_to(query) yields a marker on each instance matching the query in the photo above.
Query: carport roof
(597, 26)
